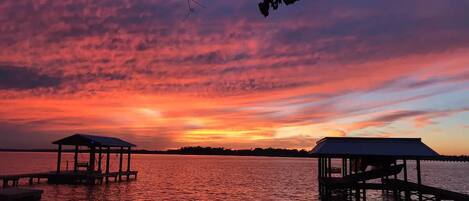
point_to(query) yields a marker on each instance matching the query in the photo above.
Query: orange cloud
(138, 70)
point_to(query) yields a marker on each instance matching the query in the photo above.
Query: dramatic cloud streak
(227, 76)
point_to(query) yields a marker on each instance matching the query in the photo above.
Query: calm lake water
(176, 177)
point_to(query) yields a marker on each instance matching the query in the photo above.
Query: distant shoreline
(208, 151)
(272, 152)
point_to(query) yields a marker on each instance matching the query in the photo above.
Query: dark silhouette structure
(96, 145)
(364, 161)
(84, 172)
(265, 5)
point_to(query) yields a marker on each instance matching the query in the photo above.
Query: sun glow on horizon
(235, 79)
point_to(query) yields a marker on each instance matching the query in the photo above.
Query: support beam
(100, 159)
(92, 159)
(407, 195)
(75, 159)
(319, 168)
(350, 166)
(405, 170)
(419, 178)
(344, 167)
(364, 192)
(350, 173)
(59, 157)
(319, 176)
(328, 175)
(107, 163)
(121, 154)
(323, 168)
(128, 161)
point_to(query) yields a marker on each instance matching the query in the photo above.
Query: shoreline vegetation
(220, 151)
(198, 150)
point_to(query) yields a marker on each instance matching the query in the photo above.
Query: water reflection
(175, 177)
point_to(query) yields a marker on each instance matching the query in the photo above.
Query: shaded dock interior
(374, 164)
(91, 171)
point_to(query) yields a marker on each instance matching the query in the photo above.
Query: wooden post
(364, 192)
(107, 164)
(349, 173)
(345, 166)
(324, 175)
(407, 195)
(319, 167)
(75, 159)
(100, 159)
(405, 170)
(350, 165)
(319, 176)
(121, 154)
(128, 162)
(323, 168)
(59, 157)
(329, 163)
(419, 178)
(92, 159)
(357, 190)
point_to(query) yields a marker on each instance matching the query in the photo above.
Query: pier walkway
(70, 177)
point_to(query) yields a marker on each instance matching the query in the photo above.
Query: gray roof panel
(93, 140)
(350, 146)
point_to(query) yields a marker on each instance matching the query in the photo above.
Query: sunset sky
(227, 76)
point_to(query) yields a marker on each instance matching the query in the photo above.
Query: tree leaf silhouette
(265, 5)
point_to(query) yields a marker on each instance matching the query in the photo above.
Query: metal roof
(359, 146)
(93, 140)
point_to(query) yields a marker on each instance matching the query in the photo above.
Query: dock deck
(67, 177)
(403, 189)
(437, 193)
(17, 194)
(14, 179)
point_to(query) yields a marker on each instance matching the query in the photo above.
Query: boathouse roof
(360, 146)
(93, 140)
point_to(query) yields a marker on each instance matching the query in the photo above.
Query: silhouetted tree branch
(191, 8)
(264, 6)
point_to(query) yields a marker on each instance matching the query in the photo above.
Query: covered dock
(91, 171)
(374, 164)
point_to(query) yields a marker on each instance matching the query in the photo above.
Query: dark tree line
(222, 151)
(198, 150)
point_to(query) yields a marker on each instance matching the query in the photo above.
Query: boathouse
(89, 171)
(375, 164)
(92, 172)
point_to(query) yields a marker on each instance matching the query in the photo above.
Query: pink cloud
(94, 66)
